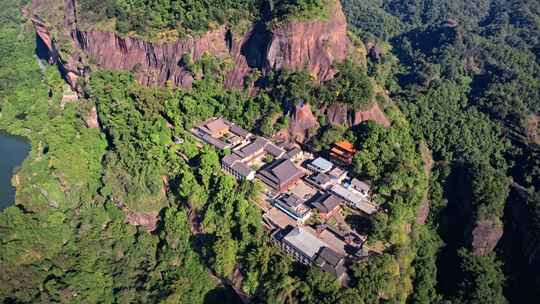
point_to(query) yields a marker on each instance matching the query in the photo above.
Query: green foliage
(482, 279)
(376, 277)
(328, 136)
(438, 110)
(469, 85)
(391, 160)
(139, 138)
(489, 191)
(350, 85)
(299, 10)
(151, 17)
(428, 245)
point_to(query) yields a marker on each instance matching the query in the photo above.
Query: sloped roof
(336, 172)
(294, 152)
(216, 125)
(330, 261)
(327, 203)
(345, 145)
(290, 199)
(360, 185)
(216, 142)
(322, 163)
(319, 178)
(241, 168)
(239, 131)
(285, 170)
(274, 150)
(330, 256)
(230, 159)
(252, 148)
(304, 241)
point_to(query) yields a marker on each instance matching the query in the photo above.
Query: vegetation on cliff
(149, 18)
(155, 18)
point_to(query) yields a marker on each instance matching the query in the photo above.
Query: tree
(376, 277)
(482, 279)
(350, 85)
(224, 259)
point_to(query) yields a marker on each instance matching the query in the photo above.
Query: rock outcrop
(147, 220)
(152, 63)
(485, 236)
(341, 114)
(91, 119)
(312, 45)
(301, 121)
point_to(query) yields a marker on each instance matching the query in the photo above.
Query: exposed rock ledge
(147, 220)
(302, 119)
(485, 236)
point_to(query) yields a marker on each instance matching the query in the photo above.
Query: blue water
(13, 150)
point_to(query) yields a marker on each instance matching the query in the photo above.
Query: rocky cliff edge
(312, 45)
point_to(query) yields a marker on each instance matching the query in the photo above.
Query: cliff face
(312, 45)
(152, 63)
(302, 119)
(485, 236)
(340, 114)
(300, 122)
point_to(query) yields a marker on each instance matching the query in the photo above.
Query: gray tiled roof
(230, 159)
(294, 152)
(360, 185)
(319, 178)
(239, 131)
(327, 203)
(304, 241)
(216, 142)
(252, 147)
(285, 170)
(330, 256)
(291, 200)
(330, 261)
(241, 168)
(274, 150)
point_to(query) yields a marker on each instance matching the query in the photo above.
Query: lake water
(13, 150)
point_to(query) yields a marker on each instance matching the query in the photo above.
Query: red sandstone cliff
(312, 45)
(340, 114)
(302, 119)
(295, 45)
(152, 63)
(485, 236)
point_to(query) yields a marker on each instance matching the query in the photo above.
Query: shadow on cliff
(42, 52)
(453, 220)
(518, 247)
(255, 47)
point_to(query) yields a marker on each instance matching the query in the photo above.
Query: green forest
(459, 81)
(150, 18)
